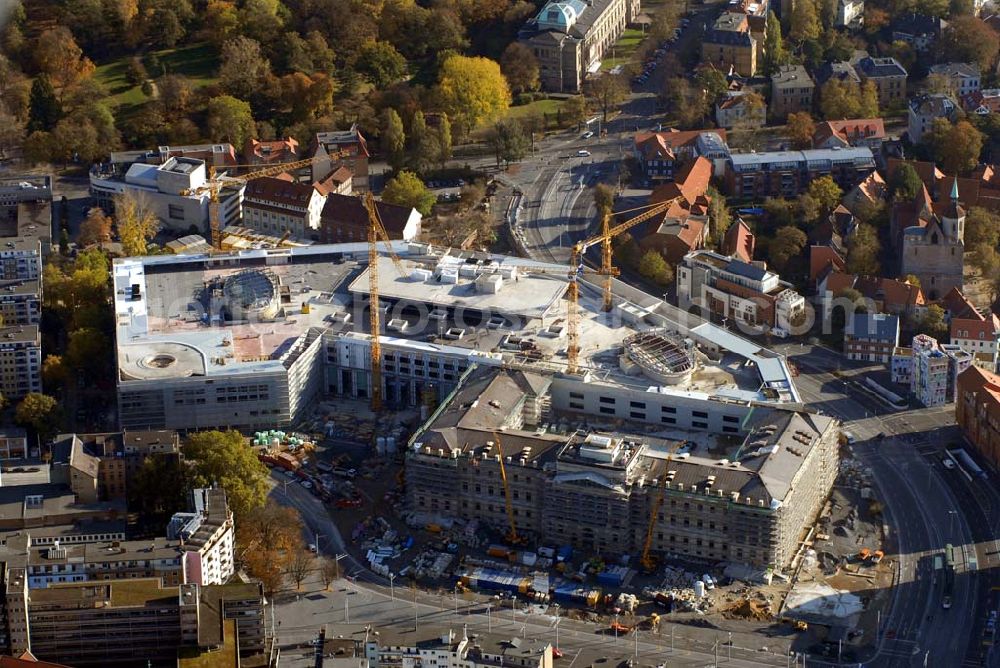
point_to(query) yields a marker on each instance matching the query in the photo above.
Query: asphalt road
(926, 506)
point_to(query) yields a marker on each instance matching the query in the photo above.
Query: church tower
(953, 217)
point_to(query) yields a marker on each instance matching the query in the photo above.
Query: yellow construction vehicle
(512, 537)
(608, 270)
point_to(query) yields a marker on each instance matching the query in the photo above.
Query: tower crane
(647, 560)
(608, 270)
(214, 185)
(376, 233)
(512, 537)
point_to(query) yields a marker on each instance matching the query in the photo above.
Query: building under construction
(250, 339)
(743, 496)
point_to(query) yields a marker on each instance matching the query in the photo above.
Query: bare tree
(300, 562)
(329, 570)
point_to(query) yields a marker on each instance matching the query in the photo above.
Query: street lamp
(556, 626)
(489, 617)
(616, 628)
(951, 522)
(392, 592)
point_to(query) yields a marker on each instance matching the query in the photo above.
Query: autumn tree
(243, 67)
(88, 352)
(904, 183)
(406, 189)
(788, 242)
(39, 412)
(520, 67)
(954, 146)
(381, 64)
(604, 198)
(933, 323)
(801, 128)
(59, 57)
(826, 193)
(982, 226)
(718, 214)
(969, 39)
(136, 222)
(262, 20)
(230, 120)
(508, 141)
(55, 374)
(804, 25)
(472, 91)
(863, 248)
(574, 110)
(219, 21)
(655, 268)
(266, 538)
(159, 489)
(223, 458)
(442, 135)
(775, 54)
(845, 99)
(393, 138)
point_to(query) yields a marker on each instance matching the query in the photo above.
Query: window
(606, 410)
(668, 409)
(637, 404)
(175, 212)
(700, 414)
(730, 418)
(576, 405)
(668, 420)
(607, 400)
(576, 395)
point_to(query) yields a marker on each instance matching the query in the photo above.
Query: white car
(948, 464)
(587, 135)
(583, 154)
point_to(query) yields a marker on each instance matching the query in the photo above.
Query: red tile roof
(893, 294)
(739, 241)
(279, 191)
(821, 257)
(344, 209)
(980, 380)
(655, 145)
(279, 150)
(851, 130)
(974, 328)
(837, 281)
(959, 306)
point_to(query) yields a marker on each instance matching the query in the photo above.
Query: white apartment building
(207, 538)
(278, 206)
(934, 369)
(174, 190)
(446, 648)
(977, 336)
(733, 289)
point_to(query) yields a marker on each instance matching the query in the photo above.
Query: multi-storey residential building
(341, 148)
(869, 132)
(198, 549)
(570, 37)
(734, 109)
(983, 102)
(13, 443)
(901, 365)
(923, 110)
(871, 337)
(20, 361)
(791, 91)
(977, 412)
(594, 490)
(888, 76)
(729, 43)
(662, 154)
(842, 70)
(130, 622)
(173, 189)
(933, 369)
(279, 206)
(730, 288)
(345, 219)
(963, 78)
(978, 336)
(788, 173)
(272, 152)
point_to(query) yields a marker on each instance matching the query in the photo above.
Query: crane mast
(608, 270)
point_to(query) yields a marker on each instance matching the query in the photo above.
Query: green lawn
(624, 49)
(198, 62)
(547, 106)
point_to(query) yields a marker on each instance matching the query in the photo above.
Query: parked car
(582, 154)
(587, 135)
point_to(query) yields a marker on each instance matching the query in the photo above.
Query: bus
(948, 576)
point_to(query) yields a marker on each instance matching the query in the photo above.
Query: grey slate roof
(880, 326)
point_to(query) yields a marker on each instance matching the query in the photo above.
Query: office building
(569, 38)
(593, 488)
(871, 337)
(733, 289)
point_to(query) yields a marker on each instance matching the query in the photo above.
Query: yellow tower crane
(647, 561)
(214, 185)
(512, 537)
(608, 270)
(376, 233)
